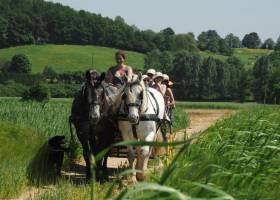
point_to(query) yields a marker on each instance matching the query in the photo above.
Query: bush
(12, 89)
(20, 64)
(61, 90)
(37, 92)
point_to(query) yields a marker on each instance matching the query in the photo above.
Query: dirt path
(200, 120)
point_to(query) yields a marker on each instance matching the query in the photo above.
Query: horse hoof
(140, 177)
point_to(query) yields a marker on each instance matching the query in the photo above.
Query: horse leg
(82, 133)
(143, 154)
(131, 159)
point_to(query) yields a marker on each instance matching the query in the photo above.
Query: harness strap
(133, 126)
(157, 106)
(143, 117)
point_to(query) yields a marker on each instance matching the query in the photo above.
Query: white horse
(142, 107)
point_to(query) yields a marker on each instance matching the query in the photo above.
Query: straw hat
(158, 75)
(144, 77)
(151, 71)
(165, 77)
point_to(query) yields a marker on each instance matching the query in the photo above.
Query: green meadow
(71, 57)
(247, 56)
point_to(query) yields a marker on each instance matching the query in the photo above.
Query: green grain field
(25, 129)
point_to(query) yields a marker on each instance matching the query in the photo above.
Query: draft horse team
(120, 102)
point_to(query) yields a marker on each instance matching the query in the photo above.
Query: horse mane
(135, 80)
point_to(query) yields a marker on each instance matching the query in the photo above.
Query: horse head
(135, 98)
(93, 94)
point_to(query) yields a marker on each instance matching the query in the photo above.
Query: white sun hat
(144, 77)
(165, 77)
(157, 75)
(151, 71)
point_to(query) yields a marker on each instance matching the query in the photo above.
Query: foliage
(16, 151)
(239, 156)
(212, 42)
(37, 92)
(20, 64)
(266, 79)
(233, 41)
(268, 44)
(12, 89)
(251, 40)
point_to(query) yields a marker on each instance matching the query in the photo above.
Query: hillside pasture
(64, 58)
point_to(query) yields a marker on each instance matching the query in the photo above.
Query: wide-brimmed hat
(145, 77)
(158, 75)
(151, 71)
(165, 77)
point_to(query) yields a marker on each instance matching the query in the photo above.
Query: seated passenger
(169, 97)
(158, 78)
(150, 73)
(146, 80)
(116, 77)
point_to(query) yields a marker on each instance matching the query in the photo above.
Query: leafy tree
(236, 69)
(224, 48)
(251, 40)
(222, 80)
(168, 35)
(3, 32)
(186, 72)
(208, 75)
(49, 72)
(268, 44)
(37, 92)
(277, 45)
(233, 41)
(211, 41)
(261, 72)
(20, 64)
(185, 42)
(152, 59)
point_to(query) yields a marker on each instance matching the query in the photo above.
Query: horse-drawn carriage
(138, 112)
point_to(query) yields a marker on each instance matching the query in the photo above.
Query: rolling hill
(247, 56)
(77, 57)
(71, 57)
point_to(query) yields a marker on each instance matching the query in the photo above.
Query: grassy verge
(16, 152)
(214, 105)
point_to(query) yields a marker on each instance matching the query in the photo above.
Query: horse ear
(140, 76)
(125, 78)
(88, 77)
(102, 77)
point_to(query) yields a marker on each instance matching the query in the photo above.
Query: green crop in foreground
(17, 149)
(239, 155)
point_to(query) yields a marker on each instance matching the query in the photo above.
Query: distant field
(71, 57)
(247, 56)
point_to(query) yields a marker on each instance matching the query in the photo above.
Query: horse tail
(70, 120)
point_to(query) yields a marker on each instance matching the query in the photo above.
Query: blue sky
(225, 16)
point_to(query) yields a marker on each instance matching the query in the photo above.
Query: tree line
(37, 22)
(198, 78)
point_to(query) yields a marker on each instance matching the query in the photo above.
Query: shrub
(37, 92)
(20, 64)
